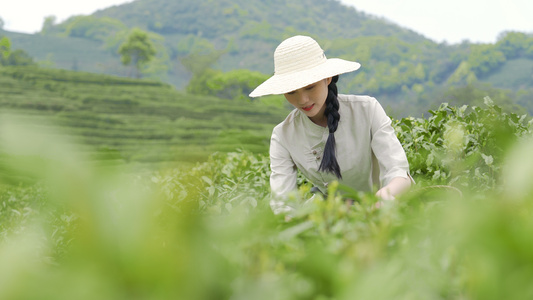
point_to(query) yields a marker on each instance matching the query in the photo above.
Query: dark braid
(329, 161)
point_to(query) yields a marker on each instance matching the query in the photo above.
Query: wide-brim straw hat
(298, 62)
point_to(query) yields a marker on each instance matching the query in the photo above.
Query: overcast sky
(452, 21)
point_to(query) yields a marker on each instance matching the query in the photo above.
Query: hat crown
(296, 54)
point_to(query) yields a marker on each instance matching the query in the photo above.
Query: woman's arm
(393, 164)
(395, 187)
(283, 174)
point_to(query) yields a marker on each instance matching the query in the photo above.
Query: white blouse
(364, 135)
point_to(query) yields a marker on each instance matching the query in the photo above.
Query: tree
(13, 58)
(484, 58)
(194, 44)
(137, 50)
(5, 48)
(19, 58)
(236, 84)
(48, 24)
(89, 27)
(463, 74)
(197, 63)
(515, 44)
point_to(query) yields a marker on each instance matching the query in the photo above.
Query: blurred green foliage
(85, 231)
(78, 219)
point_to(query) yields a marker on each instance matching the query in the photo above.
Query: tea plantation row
(135, 120)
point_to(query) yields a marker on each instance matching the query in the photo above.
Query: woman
(329, 136)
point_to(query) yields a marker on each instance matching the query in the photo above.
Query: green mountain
(250, 30)
(408, 73)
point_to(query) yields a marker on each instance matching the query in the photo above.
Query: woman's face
(311, 99)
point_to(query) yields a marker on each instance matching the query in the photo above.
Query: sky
(451, 21)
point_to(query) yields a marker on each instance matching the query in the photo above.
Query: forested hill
(250, 29)
(407, 72)
(222, 19)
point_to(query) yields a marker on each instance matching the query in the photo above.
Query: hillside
(406, 72)
(70, 53)
(254, 27)
(219, 19)
(248, 30)
(134, 120)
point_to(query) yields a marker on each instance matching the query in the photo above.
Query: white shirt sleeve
(283, 174)
(387, 148)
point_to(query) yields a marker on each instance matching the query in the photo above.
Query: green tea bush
(17, 204)
(223, 182)
(87, 231)
(461, 146)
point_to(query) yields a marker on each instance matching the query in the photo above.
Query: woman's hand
(396, 186)
(385, 194)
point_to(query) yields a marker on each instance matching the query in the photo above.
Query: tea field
(74, 229)
(136, 121)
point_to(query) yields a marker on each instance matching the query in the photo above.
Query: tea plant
(461, 146)
(86, 231)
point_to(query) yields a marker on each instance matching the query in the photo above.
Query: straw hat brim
(284, 83)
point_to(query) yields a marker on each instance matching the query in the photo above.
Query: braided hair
(329, 161)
